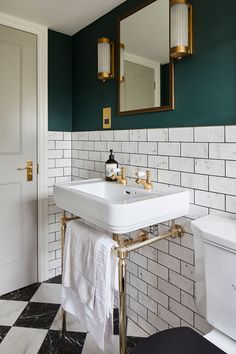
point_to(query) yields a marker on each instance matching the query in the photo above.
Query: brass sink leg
(122, 254)
(126, 246)
(63, 234)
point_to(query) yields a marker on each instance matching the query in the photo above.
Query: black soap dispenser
(109, 165)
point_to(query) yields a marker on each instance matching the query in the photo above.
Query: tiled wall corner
(200, 159)
(59, 170)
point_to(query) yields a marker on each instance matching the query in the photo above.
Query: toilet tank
(215, 259)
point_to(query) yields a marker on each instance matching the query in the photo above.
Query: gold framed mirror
(145, 70)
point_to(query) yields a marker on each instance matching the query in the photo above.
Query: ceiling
(66, 16)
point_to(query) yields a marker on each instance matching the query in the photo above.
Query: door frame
(42, 132)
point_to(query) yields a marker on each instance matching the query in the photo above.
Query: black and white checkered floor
(30, 323)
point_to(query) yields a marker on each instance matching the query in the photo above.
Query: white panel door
(138, 90)
(18, 144)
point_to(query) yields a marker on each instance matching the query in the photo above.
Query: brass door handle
(29, 170)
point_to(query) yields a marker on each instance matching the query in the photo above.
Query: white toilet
(215, 261)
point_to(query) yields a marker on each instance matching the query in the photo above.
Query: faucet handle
(148, 176)
(120, 178)
(122, 172)
(115, 170)
(140, 174)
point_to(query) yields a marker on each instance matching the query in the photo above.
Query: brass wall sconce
(105, 59)
(181, 29)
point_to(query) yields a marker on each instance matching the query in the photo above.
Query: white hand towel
(80, 261)
(99, 320)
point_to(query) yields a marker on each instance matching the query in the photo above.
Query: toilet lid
(181, 340)
(216, 229)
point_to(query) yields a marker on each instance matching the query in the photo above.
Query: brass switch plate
(106, 118)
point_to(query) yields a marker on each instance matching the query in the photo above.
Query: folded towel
(99, 319)
(80, 261)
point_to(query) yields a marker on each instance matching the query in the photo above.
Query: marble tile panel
(138, 135)
(209, 134)
(230, 133)
(132, 342)
(133, 330)
(48, 293)
(23, 341)
(121, 135)
(181, 134)
(37, 315)
(72, 324)
(116, 321)
(157, 134)
(23, 294)
(91, 347)
(3, 331)
(10, 311)
(55, 343)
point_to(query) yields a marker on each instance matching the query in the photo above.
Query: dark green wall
(59, 81)
(205, 83)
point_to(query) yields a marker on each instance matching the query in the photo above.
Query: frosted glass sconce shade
(181, 28)
(122, 62)
(105, 59)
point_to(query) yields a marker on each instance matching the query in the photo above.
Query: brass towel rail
(125, 247)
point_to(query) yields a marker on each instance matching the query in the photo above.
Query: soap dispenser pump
(109, 165)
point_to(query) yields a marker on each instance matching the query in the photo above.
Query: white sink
(120, 209)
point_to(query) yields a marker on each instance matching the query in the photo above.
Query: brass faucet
(120, 179)
(147, 183)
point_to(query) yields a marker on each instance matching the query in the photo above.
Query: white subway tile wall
(59, 170)
(201, 159)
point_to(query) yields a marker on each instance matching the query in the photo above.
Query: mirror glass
(148, 70)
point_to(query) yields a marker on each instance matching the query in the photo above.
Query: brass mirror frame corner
(169, 107)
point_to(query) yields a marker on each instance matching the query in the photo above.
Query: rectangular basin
(120, 209)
